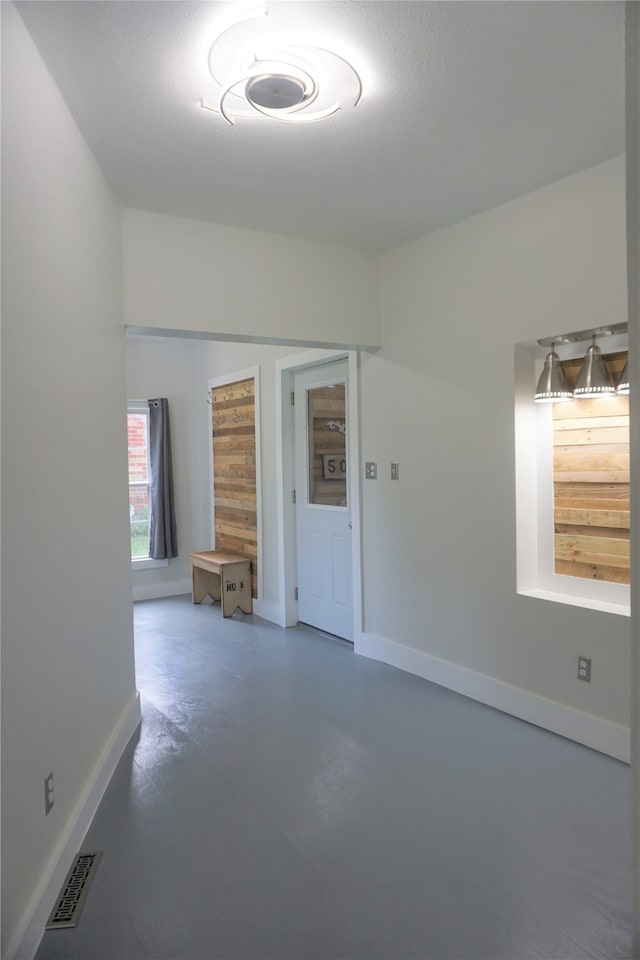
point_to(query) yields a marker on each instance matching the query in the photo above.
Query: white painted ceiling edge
(465, 106)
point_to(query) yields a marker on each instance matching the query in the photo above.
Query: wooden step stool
(222, 576)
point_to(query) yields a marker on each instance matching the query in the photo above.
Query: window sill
(604, 606)
(147, 564)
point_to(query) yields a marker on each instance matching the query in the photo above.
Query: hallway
(289, 799)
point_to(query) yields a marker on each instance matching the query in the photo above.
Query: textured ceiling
(465, 105)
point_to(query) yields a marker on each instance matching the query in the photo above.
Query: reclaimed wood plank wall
(591, 482)
(327, 409)
(234, 471)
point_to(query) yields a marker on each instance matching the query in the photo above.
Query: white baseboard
(153, 591)
(269, 611)
(25, 942)
(602, 735)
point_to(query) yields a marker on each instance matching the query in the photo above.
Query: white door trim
(285, 479)
(220, 381)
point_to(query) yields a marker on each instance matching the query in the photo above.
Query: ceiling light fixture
(552, 386)
(282, 76)
(594, 379)
(623, 386)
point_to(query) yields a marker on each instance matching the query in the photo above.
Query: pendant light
(552, 386)
(623, 386)
(594, 379)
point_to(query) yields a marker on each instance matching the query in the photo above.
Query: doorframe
(286, 368)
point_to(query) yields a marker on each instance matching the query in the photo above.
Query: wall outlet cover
(584, 669)
(48, 793)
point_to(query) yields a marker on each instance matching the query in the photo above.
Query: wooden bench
(222, 576)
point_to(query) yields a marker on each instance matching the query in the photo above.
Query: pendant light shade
(623, 385)
(594, 379)
(552, 386)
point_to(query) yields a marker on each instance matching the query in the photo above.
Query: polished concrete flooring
(289, 799)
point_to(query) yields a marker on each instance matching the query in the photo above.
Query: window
(139, 479)
(140, 486)
(572, 492)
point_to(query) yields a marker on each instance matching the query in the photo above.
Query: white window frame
(144, 563)
(536, 575)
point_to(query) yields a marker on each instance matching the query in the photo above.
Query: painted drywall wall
(438, 398)
(167, 368)
(632, 62)
(67, 655)
(189, 276)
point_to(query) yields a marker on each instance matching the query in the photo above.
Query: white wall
(439, 399)
(632, 60)
(190, 276)
(67, 659)
(167, 368)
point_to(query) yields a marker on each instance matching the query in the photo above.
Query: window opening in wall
(572, 479)
(139, 480)
(591, 505)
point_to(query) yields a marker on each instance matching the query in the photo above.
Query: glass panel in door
(327, 437)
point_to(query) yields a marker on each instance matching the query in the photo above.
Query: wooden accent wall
(234, 471)
(591, 482)
(327, 405)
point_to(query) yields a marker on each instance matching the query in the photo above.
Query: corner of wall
(26, 939)
(585, 728)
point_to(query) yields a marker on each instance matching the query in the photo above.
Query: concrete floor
(289, 799)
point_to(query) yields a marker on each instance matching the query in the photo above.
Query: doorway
(320, 563)
(323, 507)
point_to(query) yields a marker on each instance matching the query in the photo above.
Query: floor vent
(68, 907)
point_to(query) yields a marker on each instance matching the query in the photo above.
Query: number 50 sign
(334, 467)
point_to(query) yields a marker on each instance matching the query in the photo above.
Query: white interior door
(323, 511)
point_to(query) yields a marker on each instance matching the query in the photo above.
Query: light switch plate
(395, 471)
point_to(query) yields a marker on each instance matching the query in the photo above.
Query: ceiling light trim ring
(269, 83)
(258, 69)
(287, 118)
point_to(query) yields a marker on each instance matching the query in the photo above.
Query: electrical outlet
(48, 793)
(370, 470)
(584, 669)
(395, 471)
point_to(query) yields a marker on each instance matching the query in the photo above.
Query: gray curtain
(163, 541)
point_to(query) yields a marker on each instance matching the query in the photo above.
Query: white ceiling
(465, 105)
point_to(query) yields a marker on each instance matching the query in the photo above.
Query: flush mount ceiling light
(262, 73)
